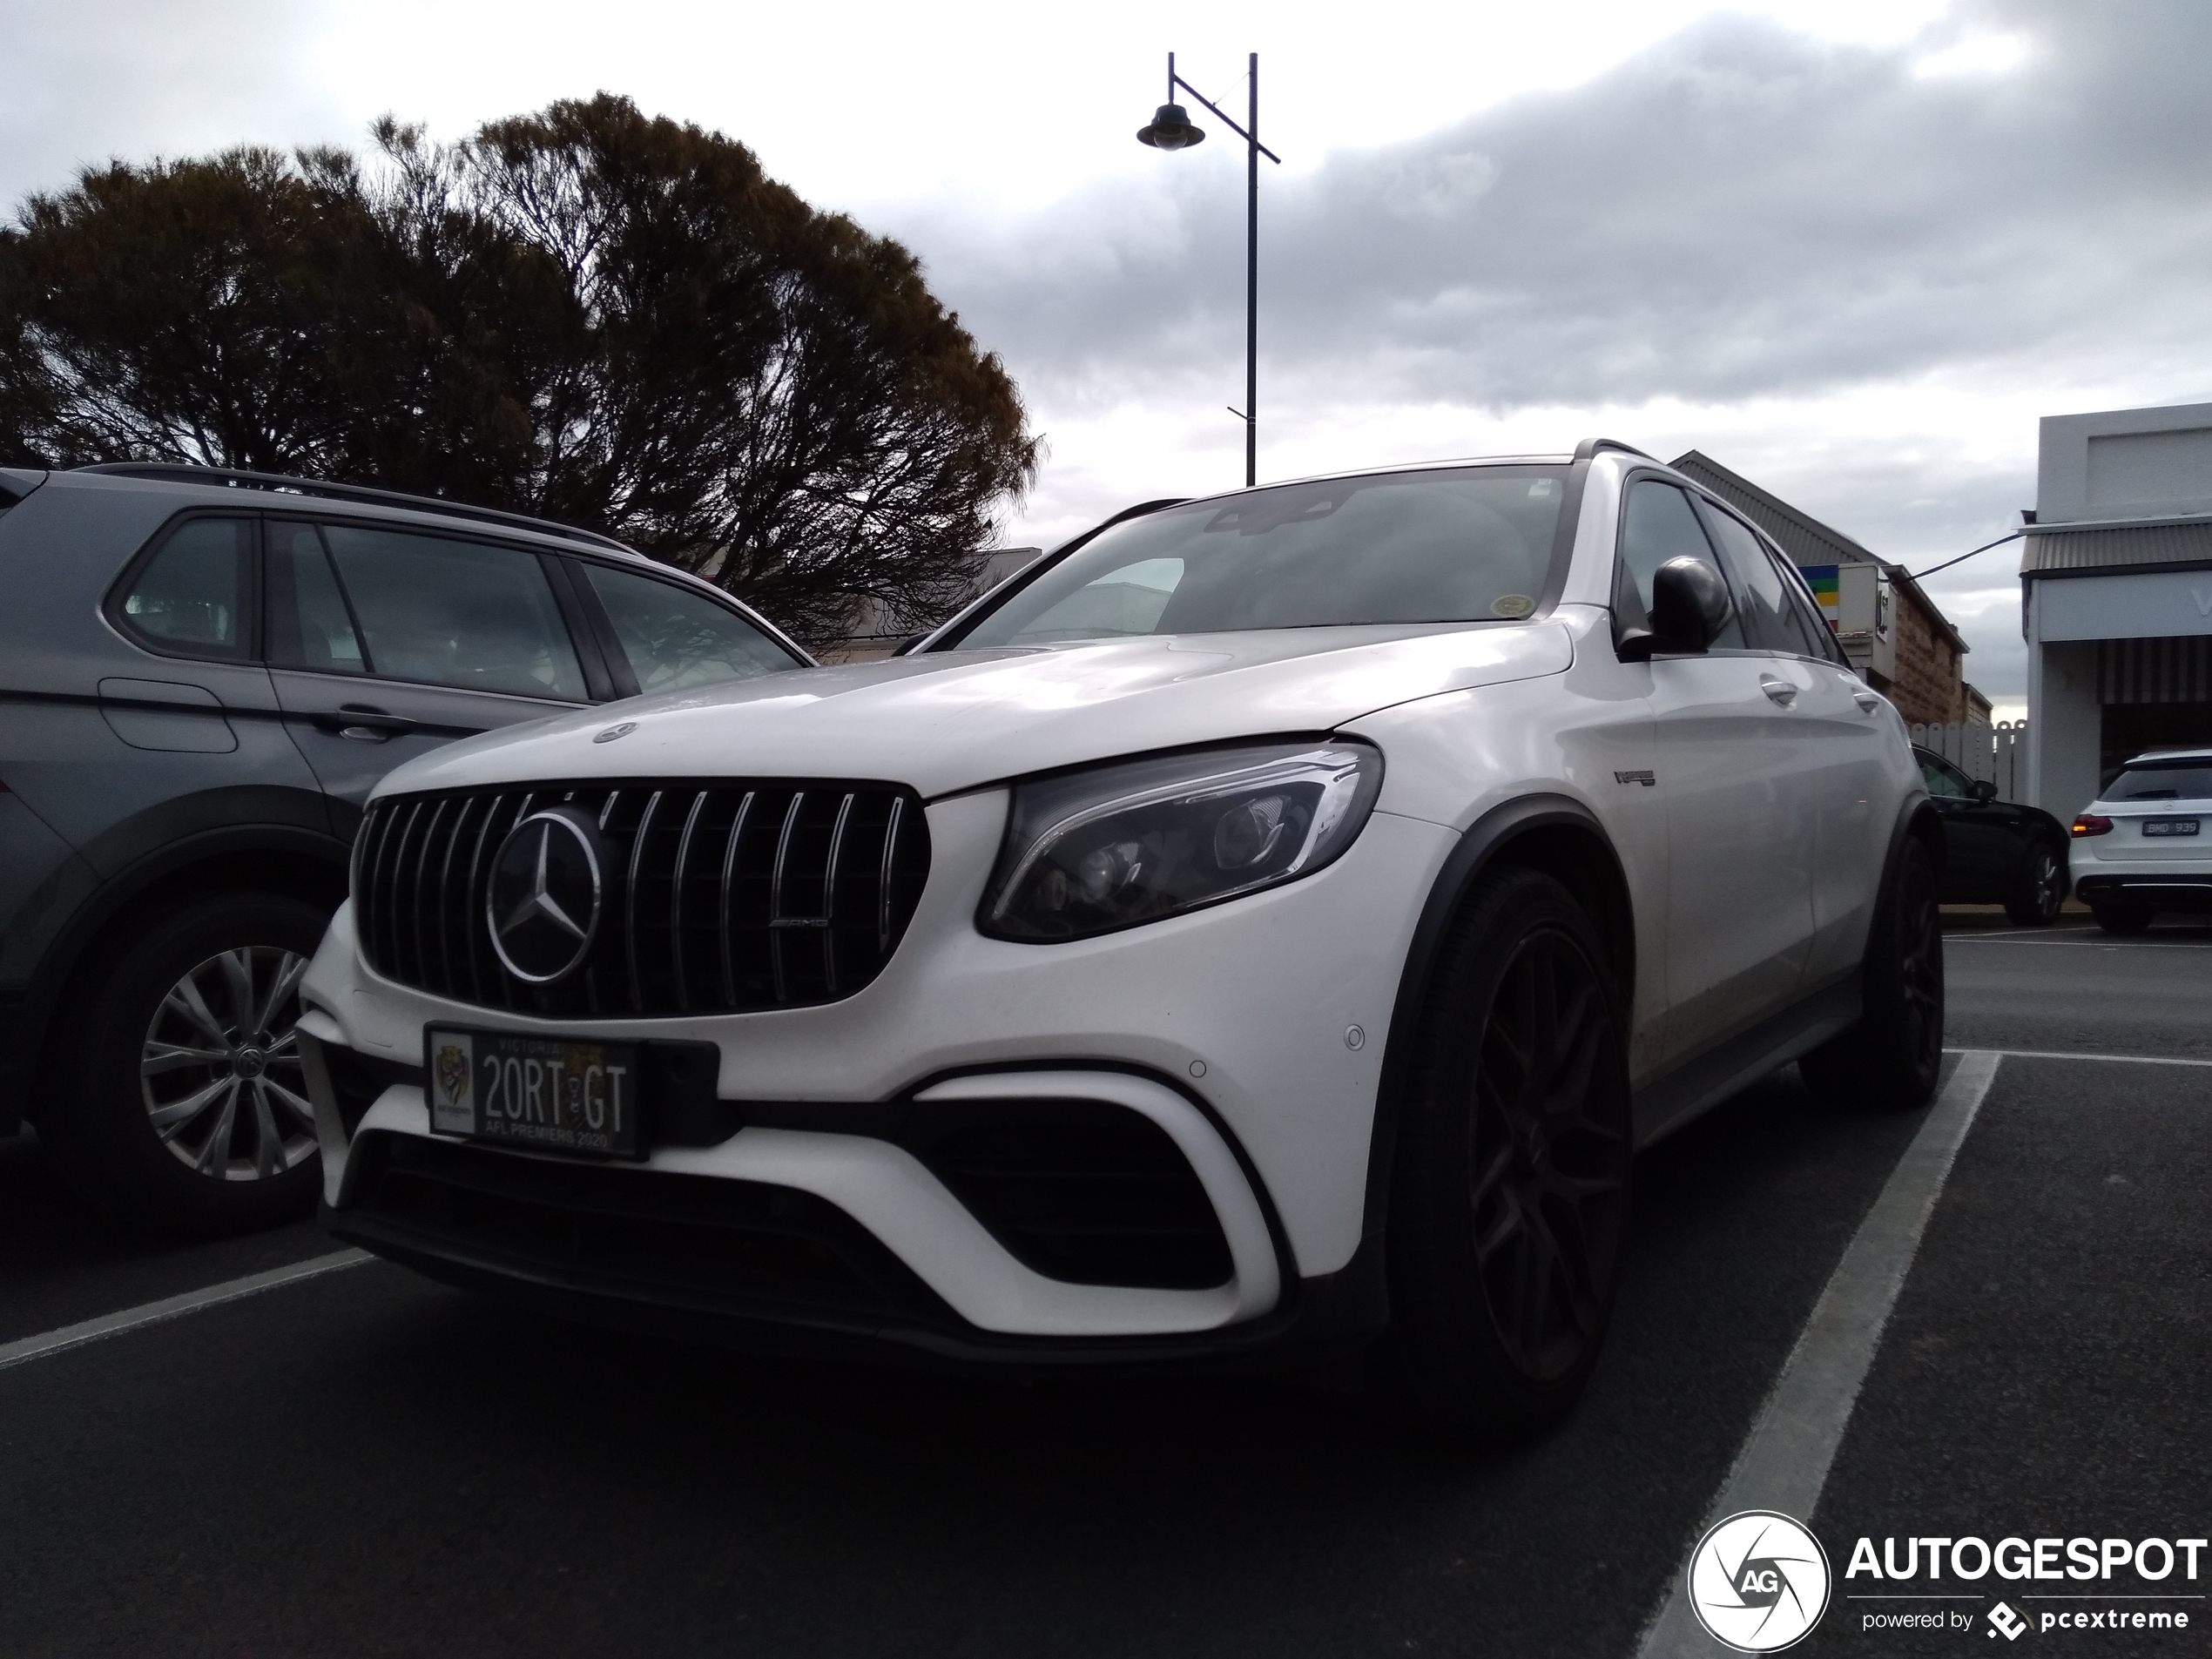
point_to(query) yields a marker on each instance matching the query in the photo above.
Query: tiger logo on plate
(453, 1073)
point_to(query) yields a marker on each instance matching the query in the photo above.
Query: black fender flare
(1478, 848)
(159, 858)
(1916, 819)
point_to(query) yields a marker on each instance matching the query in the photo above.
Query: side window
(1944, 780)
(193, 597)
(674, 639)
(1769, 624)
(310, 626)
(1810, 622)
(1658, 525)
(450, 613)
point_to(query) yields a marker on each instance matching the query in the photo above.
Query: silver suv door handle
(1781, 691)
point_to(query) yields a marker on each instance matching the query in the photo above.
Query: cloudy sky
(1852, 251)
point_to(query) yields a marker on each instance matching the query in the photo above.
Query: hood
(955, 720)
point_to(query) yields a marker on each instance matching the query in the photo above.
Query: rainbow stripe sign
(1821, 578)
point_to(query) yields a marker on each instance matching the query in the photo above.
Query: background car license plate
(2169, 826)
(557, 1094)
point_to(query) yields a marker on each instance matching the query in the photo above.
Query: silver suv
(1266, 924)
(205, 673)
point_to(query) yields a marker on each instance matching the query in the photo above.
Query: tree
(612, 319)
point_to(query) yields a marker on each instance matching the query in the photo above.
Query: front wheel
(1890, 1059)
(2042, 890)
(1510, 1188)
(184, 1102)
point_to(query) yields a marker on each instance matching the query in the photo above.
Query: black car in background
(1997, 852)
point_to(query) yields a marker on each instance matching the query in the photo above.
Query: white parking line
(2087, 942)
(2116, 1059)
(113, 1325)
(1783, 1463)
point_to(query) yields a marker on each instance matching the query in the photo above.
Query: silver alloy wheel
(220, 1070)
(2048, 884)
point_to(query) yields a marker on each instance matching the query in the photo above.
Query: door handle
(362, 723)
(1866, 701)
(1780, 691)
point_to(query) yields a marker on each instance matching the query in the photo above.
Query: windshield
(1467, 544)
(2164, 780)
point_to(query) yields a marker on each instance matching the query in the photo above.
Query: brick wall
(1928, 689)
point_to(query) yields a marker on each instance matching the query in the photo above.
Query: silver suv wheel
(220, 1068)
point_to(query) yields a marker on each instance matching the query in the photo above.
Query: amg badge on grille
(543, 904)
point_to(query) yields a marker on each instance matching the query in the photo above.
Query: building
(2116, 595)
(1898, 641)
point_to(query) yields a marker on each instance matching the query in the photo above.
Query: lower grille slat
(715, 896)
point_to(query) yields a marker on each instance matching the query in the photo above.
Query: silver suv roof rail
(231, 477)
(1589, 447)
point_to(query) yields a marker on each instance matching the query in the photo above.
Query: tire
(1889, 1060)
(2042, 890)
(181, 1101)
(2121, 918)
(1510, 1184)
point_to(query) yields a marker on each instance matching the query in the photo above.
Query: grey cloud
(1738, 211)
(134, 78)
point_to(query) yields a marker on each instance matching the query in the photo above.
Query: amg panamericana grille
(716, 896)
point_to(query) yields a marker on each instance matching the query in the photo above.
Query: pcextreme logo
(1758, 1582)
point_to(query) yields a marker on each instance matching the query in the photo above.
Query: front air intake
(709, 897)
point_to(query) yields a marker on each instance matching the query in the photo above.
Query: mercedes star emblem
(543, 907)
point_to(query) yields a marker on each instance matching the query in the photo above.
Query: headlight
(1131, 843)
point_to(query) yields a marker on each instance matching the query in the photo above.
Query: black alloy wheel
(2042, 890)
(1511, 1185)
(1890, 1059)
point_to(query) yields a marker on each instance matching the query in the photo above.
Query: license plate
(554, 1094)
(2169, 826)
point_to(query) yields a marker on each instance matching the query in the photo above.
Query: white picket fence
(1998, 752)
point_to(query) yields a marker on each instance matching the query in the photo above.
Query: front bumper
(1226, 1029)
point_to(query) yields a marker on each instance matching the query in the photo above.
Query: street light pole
(1171, 128)
(1251, 288)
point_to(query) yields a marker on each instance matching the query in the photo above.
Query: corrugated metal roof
(1804, 538)
(2057, 549)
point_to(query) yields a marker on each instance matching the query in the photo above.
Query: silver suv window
(1658, 524)
(1771, 620)
(1472, 544)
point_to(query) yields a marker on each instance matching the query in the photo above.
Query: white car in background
(2145, 844)
(1263, 928)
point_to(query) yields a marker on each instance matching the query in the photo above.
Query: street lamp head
(1171, 128)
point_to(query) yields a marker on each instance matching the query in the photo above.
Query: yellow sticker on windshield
(1511, 604)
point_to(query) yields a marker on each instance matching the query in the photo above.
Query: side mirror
(1689, 606)
(1983, 790)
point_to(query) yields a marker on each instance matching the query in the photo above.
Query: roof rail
(185, 473)
(1589, 447)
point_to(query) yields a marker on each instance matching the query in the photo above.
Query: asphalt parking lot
(365, 1463)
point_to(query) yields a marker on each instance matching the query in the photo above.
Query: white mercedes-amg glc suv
(1259, 932)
